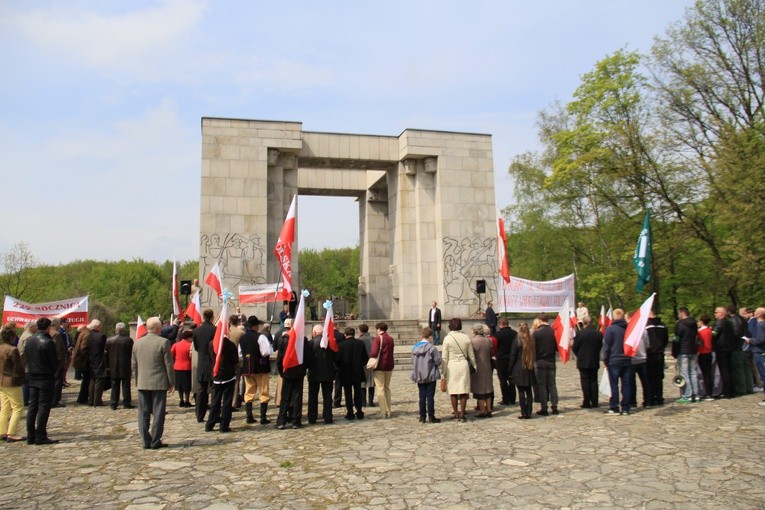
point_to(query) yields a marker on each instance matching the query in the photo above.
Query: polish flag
(572, 319)
(563, 331)
(504, 269)
(176, 303)
(293, 356)
(221, 332)
(194, 308)
(214, 280)
(328, 336)
(605, 318)
(636, 327)
(140, 328)
(283, 249)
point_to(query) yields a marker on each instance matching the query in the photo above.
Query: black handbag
(470, 365)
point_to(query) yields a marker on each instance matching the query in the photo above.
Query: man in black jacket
(99, 374)
(684, 348)
(223, 383)
(547, 347)
(292, 383)
(506, 336)
(587, 347)
(321, 375)
(618, 364)
(724, 342)
(658, 338)
(203, 335)
(42, 364)
(352, 360)
(742, 383)
(256, 368)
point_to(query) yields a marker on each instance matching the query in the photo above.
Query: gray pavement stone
(706, 455)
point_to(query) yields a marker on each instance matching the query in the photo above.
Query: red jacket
(385, 363)
(181, 352)
(705, 335)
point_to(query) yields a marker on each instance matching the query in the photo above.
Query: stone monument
(427, 213)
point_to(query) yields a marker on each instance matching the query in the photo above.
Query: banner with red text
(522, 295)
(75, 310)
(263, 293)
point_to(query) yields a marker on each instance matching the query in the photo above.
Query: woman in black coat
(522, 361)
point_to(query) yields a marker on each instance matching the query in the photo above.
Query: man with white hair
(119, 349)
(152, 365)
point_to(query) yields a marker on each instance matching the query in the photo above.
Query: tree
(17, 276)
(331, 272)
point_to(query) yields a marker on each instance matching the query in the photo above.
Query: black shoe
(311, 422)
(45, 441)
(422, 420)
(299, 425)
(281, 427)
(555, 411)
(359, 416)
(337, 406)
(30, 440)
(350, 416)
(542, 412)
(128, 406)
(372, 404)
(59, 404)
(327, 422)
(434, 420)
(209, 429)
(113, 407)
(158, 446)
(225, 431)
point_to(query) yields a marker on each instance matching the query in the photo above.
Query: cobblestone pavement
(706, 455)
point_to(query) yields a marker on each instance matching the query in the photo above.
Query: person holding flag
(203, 336)
(321, 374)
(618, 364)
(292, 361)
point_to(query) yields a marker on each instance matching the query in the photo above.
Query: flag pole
(276, 293)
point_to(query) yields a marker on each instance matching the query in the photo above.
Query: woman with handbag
(458, 363)
(381, 361)
(481, 383)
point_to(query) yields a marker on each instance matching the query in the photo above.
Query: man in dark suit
(42, 363)
(352, 363)
(223, 383)
(490, 317)
(291, 399)
(506, 337)
(587, 346)
(152, 366)
(321, 374)
(98, 372)
(203, 335)
(337, 399)
(434, 322)
(119, 352)
(547, 348)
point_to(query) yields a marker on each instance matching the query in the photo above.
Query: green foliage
(331, 272)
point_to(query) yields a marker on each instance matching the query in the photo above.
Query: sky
(101, 102)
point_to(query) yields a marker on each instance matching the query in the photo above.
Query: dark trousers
(58, 387)
(726, 372)
(506, 385)
(641, 372)
(620, 372)
(588, 378)
(546, 386)
(202, 400)
(742, 374)
(151, 403)
(82, 398)
(338, 395)
(222, 402)
(525, 399)
(354, 397)
(40, 400)
(313, 400)
(291, 401)
(707, 373)
(96, 392)
(427, 399)
(124, 384)
(655, 366)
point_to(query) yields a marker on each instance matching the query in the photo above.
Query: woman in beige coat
(11, 379)
(481, 383)
(456, 351)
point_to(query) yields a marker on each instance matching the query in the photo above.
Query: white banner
(263, 293)
(522, 295)
(75, 310)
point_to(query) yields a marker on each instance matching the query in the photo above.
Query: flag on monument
(140, 328)
(293, 356)
(221, 332)
(214, 280)
(642, 258)
(283, 249)
(563, 331)
(636, 327)
(193, 311)
(504, 268)
(328, 335)
(176, 303)
(605, 318)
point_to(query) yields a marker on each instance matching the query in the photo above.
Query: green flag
(642, 258)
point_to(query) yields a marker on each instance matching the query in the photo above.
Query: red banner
(75, 310)
(264, 293)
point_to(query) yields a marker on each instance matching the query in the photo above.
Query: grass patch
(286, 464)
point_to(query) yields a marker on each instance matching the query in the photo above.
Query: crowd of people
(721, 360)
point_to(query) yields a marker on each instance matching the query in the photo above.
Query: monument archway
(427, 212)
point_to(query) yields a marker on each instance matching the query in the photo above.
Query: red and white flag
(263, 293)
(215, 280)
(563, 331)
(328, 336)
(194, 310)
(605, 318)
(572, 318)
(177, 311)
(636, 327)
(293, 356)
(140, 328)
(283, 249)
(504, 268)
(221, 332)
